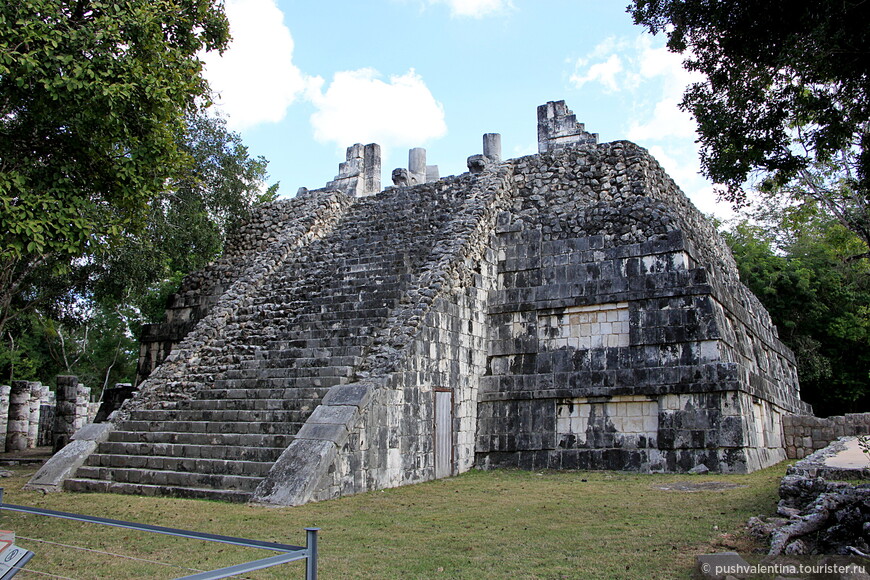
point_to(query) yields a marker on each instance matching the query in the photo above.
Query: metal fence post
(311, 560)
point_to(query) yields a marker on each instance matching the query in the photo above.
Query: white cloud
(651, 74)
(255, 79)
(360, 107)
(667, 120)
(604, 72)
(473, 8)
(649, 81)
(478, 8)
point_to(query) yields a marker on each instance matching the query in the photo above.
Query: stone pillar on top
(491, 154)
(492, 147)
(558, 128)
(360, 174)
(417, 172)
(417, 165)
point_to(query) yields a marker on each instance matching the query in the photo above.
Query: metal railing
(288, 553)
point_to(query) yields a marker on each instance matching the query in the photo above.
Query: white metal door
(443, 434)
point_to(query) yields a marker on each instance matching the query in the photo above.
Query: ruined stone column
(46, 418)
(37, 392)
(417, 165)
(558, 127)
(4, 415)
(492, 147)
(83, 398)
(64, 411)
(19, 416)
(371, 169)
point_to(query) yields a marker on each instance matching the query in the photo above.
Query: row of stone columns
(32, 415)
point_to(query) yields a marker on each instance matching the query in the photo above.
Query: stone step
(241, 427)
(170, 478)
(283, 359)
(281, 348)
(258, 370)
(192, 451)
(188, 465)
(356, 314)
(181, 414)
(278, 369)
(103, 486)
(385, 294)
(336, 336)
(224, 390)
(248, 440)
(329, 339)
(247, 404)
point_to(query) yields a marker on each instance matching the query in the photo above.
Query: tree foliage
(802, 266)
(786, 98)
(93, 99)
(97, 306)
(113, 180)
(88, 316)
(187, 224)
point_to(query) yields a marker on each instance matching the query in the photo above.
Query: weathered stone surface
(357, 395)
(18, 425)
(567, 310)
(65, 462)
(61, 466)
(335, 414)
(293, 479)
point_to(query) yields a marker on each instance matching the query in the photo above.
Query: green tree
(188, 223)
(93, 99)
(89, 326)
(802, 267)
(786, 99)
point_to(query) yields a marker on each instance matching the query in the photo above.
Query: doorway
(443, 433)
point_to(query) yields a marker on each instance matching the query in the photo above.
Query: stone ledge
(355, 394)
(63, 464)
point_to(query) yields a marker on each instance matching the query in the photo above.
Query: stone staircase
(309, 329)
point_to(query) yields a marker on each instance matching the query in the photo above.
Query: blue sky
(304, 80)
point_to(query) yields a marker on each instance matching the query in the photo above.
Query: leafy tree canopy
(93, 99)
(801, 264)
(786, 98)
(84, 320)
(186, 224)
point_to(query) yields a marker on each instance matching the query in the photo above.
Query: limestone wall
(804, 434)
(621, 336)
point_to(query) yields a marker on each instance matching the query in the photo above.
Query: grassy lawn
(483, 524)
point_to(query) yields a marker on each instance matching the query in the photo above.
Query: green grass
(483, 524)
